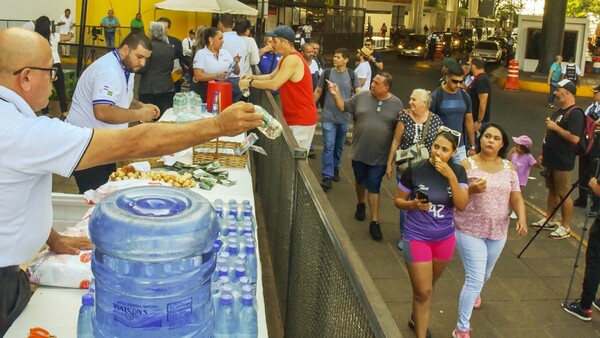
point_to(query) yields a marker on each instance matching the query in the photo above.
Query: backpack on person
(326, 74)
(586, 139)
(571, 73)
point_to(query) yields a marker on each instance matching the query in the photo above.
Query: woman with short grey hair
(411, 125)
(156, 84)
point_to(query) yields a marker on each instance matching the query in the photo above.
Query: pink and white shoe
(460, 334)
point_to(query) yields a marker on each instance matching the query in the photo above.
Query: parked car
(413, 45)
(503, 44)
(488, 51)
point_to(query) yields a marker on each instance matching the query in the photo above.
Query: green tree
(583, 8)
(506, 11)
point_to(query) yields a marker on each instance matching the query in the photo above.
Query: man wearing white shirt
(242, 27)
(236, 47)
(65, 23)
(188, 44)
(28, 162)
(363, 70)
(103, 99)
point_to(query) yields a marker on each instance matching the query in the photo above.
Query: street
(523, 296)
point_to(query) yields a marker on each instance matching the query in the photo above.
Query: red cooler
(225, 90)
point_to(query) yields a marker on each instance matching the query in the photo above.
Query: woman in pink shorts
(430, 190)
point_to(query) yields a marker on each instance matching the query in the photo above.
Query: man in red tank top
(293, 80)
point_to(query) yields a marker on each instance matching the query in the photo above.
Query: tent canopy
(207, 6)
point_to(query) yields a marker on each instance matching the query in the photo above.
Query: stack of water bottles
(188, 106)
(234, 280)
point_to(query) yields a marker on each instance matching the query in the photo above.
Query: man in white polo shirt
(27, 164)
(103, 99)
(66, 22)
(236, 46)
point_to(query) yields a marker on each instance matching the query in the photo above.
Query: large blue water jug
(152, 263)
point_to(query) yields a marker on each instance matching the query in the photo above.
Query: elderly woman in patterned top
(410, 127)
(482, 228)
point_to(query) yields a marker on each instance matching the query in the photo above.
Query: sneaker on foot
(360, 212)
(575, 309)
(512, 215)
(411, 324)
(336, 174)
(326, 183)
(460, 334)
(375, 230)
(477, 304)
(560, 233)
(551, 225)
(592, 214)
(596, 304)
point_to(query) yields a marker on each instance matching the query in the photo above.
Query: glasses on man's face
(379, 106)
(451, 131)
(53, 71)
(457, 81)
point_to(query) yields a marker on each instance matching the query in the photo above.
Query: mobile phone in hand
(422, 196)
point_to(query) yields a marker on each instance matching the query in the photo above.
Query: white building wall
(33, 9)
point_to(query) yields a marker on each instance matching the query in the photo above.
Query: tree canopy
(582, 8)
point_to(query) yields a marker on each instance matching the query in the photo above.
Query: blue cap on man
(283, 32)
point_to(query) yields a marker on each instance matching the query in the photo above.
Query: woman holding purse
(416, 125)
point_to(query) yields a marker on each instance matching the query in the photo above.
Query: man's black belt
(9, 270)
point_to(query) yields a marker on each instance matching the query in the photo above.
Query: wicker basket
(225, 160)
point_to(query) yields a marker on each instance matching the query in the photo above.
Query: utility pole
(553, 31)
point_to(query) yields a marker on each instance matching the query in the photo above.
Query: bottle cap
(87, 299)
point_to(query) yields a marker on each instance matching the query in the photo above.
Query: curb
(539, 87)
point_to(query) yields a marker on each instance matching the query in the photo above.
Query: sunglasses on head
(451, 131)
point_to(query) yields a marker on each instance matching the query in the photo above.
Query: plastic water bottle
(271, 127)
(247, 318)
(153, 261)
(251, 262)
(225, 319)
(84, 322)
(215, 103)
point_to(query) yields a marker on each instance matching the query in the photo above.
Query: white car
(488, 51)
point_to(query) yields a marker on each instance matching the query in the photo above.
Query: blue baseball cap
(283, 32)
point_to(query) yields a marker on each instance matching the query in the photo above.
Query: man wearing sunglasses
(34, 148)
(375, 61)
(453, 105)
(375, 115)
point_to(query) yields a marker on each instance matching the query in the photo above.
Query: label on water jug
(137, 315)
(178, 314)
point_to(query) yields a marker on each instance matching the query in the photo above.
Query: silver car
(488, 51)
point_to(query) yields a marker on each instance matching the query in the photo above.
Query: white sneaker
(512, 215)
(560, 233)
(551, 225)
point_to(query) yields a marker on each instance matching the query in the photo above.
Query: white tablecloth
(57, 309)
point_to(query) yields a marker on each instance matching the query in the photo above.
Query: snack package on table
(68, 271)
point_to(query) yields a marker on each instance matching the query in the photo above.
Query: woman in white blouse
(212, 62)
(42, 27)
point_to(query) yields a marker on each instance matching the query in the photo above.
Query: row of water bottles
(233, 283)
(188, 102)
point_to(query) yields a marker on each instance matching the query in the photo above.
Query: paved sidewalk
(522, 298)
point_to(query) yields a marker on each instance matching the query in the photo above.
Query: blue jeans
(109, 38)
(478, 255)
(553, 87)
(236, 94)
(334, 136)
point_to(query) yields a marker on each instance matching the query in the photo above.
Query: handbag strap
(425, 129)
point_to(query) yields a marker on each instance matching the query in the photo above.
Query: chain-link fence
(323, 287)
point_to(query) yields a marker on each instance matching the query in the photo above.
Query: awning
(207, 6)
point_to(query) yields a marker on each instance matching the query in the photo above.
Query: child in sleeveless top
(521, 158)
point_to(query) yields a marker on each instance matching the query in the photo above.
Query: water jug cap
(240, 271)
(249, 248)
